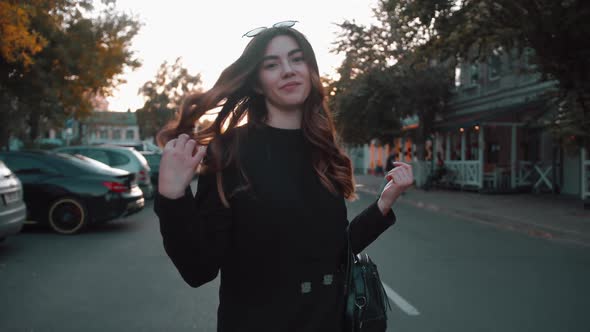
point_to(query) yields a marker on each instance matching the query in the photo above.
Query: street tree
(374, 103)
(472, 30)
(163, 96)
(70, 53)
(379, 85)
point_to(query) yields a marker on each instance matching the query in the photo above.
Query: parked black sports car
(70, 192)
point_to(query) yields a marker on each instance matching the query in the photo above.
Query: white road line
(400, 302)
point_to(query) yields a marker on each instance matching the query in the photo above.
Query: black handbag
(366, 301)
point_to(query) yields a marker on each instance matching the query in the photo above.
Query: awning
(521, 114)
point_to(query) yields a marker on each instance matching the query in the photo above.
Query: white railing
(421, 170)
(525, 174)
(464, 172)
(536, 175)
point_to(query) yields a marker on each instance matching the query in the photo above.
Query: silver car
(118, 157)
(13, 211)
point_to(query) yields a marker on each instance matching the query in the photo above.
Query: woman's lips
(289, 86)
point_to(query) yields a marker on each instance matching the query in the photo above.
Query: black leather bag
(366, 301)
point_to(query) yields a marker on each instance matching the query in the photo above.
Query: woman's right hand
(178, 164)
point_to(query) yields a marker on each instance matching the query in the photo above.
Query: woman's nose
(288, 70)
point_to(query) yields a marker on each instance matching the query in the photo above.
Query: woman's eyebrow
(274, 57)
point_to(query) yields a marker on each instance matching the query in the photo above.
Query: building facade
(101, 127)
(495, 136)
(110, 127)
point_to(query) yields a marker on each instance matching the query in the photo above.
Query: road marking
(404, 305)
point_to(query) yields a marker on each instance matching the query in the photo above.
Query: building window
(494, 67)
(130, 134)
(117, 134)
(104, 134)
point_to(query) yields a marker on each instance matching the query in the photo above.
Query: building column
(463, 145)
(513, 157)
(448, 147)
(480, 151)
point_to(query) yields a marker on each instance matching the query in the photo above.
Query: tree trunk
(4, 137)
(4, 121)
(4, 129)
(420, 143)
(34, 118)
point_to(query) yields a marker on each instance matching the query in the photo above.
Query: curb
(496, 221)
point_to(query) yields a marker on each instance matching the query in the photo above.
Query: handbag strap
(349, 260)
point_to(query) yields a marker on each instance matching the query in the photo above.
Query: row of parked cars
(70, 188)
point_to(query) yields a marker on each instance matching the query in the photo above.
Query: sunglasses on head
(283, 24)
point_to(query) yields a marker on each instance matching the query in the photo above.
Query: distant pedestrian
(269, 211)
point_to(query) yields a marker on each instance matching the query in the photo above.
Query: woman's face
(284, 75)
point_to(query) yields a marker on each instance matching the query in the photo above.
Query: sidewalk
(543, 216)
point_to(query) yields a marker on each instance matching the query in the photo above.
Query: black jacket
(280, 246)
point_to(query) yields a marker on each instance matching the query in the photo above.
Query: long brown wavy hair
(234, 93)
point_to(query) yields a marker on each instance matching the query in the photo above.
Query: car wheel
(67, 216)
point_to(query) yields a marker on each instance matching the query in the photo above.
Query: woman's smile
(289, 87)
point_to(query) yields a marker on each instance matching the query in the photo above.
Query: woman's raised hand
(178, 164)
(399, 179)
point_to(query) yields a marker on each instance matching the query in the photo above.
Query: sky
(208, 35)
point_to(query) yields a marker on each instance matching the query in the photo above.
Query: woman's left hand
(399, 179)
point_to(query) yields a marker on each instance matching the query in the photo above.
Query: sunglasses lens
(254, 32)
(284, 24)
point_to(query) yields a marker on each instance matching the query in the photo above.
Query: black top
(280, 246)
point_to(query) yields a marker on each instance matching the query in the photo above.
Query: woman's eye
(270, 65)
(298, 59)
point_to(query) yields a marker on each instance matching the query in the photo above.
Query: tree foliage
(55, 55)
(372, 104)
(163, 96)
(19, 43)
(380, 84)
(471, 30)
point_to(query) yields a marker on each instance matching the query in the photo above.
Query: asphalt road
(443, 273)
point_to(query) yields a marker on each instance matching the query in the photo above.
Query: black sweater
(281, 244)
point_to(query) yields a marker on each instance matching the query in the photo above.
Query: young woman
(269, 211)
